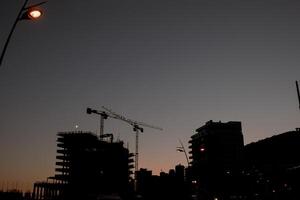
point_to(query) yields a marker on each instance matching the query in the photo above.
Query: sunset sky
(175, 64)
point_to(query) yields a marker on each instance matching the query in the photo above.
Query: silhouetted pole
(101, 125)
(136, 158)
(137, 129)
(297, 86)
(11, 32)
(19, 17)
(182, 149)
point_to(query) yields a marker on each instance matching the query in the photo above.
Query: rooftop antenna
(297, 86)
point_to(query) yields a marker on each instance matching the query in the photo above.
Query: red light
(202, 149)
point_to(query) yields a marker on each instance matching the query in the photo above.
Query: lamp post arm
(186, 156)
(35, 5)
(11, 32)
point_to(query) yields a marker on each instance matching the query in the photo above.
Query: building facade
(87, 167)
(216, 153)
(272, 166)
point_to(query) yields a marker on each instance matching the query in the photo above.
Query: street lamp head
(26, 12)
(34, 13)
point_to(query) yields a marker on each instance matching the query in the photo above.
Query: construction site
(91, 166)
(98, 167)
(87, 167)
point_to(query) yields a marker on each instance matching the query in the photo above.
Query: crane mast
(136, 128)
(103, 115)
(136, 163)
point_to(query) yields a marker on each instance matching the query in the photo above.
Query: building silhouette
(13, 195)
(89, 167)
(86, 168)
(216, 153)
(165, 186)
(272, 167)
(277, 153)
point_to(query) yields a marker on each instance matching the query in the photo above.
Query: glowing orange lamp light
(34, 14)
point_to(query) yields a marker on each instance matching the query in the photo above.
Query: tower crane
(103, 115)
(136, 128)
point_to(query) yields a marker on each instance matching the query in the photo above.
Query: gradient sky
(170, 63)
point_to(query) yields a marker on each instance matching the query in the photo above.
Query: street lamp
(182, 149)
(34, 14)
(29, 13)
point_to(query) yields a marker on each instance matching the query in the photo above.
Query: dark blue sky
(172, 63)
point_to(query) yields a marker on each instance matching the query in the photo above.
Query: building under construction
(87, 167)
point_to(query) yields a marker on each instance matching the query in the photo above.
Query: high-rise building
(216, 153)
